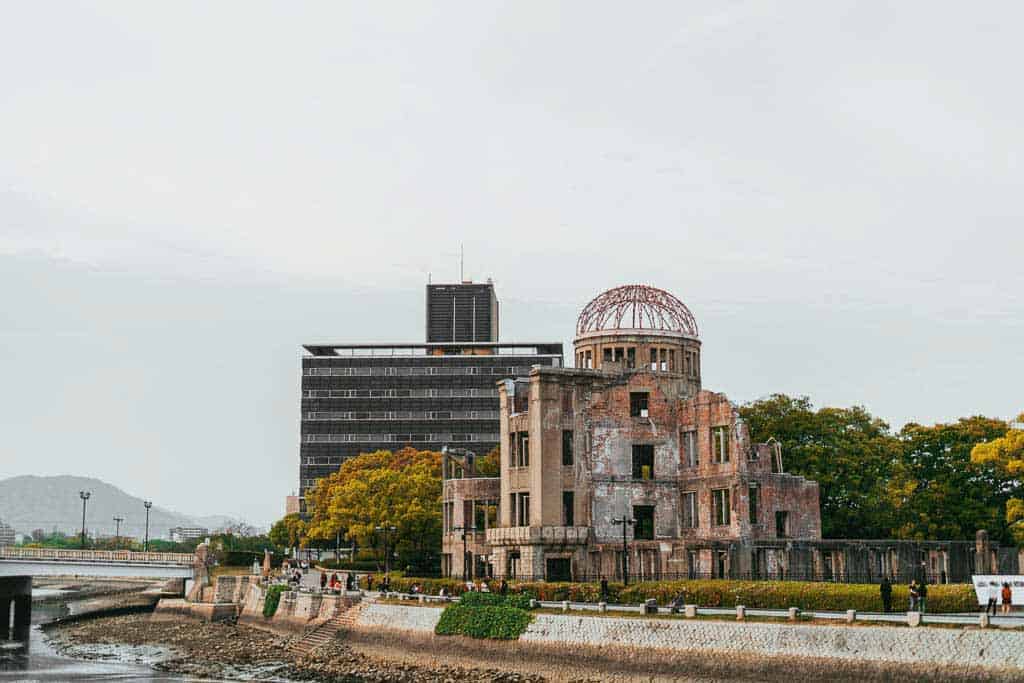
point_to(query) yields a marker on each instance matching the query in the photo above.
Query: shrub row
(759, 594)
(357, 566)
(273, 599)
(485, 621)
(516, 600)
(806, 595)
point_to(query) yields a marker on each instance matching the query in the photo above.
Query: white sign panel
(983, 583)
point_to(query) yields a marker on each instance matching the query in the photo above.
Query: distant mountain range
(28, 503)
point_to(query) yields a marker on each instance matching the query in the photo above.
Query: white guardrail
(94, 556)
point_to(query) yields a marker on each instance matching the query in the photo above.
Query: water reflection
(32, 657)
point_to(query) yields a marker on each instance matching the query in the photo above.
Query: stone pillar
(982, 553)
(22, 617)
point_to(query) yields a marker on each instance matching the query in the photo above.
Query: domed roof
(637, 307)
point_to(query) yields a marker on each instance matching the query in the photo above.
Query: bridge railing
(63, 555)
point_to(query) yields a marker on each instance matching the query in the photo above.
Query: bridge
(103, 563)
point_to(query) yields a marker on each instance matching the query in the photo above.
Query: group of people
(334, 584)
(995, 593)
(918, 591)
(483, 587)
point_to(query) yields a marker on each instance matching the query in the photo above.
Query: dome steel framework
(637, 307)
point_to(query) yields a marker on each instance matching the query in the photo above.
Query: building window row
(400, 393)
(720, 446)
(405, 415)
(663, 360)
(691, 363)
(503, 371)
(396, 438)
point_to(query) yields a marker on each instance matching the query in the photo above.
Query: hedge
(357, 566)
(478, 599)
(723, 593)
(760, 594)
(486, 621)
(273, 599)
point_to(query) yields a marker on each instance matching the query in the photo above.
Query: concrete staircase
(326, 631)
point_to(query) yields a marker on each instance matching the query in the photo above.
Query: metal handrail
(64, 555)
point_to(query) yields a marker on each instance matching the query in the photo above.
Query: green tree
(937, 492)
(1006, 455)
(849, 453)
(383, 489)
(289, 531)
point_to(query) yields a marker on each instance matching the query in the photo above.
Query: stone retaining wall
(927, 646)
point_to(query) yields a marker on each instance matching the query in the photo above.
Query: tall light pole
(117, 531)
(84, 495)
(465, 549)
(625, 522)
(387, 559)
(147, 504)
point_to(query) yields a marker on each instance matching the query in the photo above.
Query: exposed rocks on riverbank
(221, 650)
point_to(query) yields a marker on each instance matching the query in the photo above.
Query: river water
(39, 661)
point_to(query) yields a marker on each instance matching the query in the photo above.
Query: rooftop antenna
(462, 269)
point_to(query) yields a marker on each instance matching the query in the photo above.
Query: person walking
(922, 596)
(369, 582)
(323, 581)
(885, 590)
(1007, 598)
(993, 598)
(912, 588)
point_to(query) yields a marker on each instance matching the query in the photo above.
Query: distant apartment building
(181, 534)
(360, 398)
(7, 535)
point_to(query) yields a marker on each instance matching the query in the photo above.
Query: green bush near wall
(483, 621)
(723, 593)
(516, 600)
(273, 599)
(760, 594)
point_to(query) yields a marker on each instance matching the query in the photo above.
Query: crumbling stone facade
(628, 455)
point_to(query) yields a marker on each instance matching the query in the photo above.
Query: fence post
(689, 611)
(794, 613)
(913, 619)
(741, 612)
(851, 616)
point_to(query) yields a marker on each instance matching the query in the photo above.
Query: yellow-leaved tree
(1007, 454)
(383, 489)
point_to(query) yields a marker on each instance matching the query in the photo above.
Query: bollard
(913, 619)
(851, 616)
(794, 613)
(533, 604)
(565, 605)
(689, 611)
(602, 607)
(741, 612)
(423, 599)
(983, 620)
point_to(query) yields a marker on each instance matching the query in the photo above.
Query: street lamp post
(465, 549)
(84, 495)
(147, 504)
(625, 522)
(387, 559)
(117, 531)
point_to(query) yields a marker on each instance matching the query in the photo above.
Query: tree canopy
(1005, 455)
(921, 482)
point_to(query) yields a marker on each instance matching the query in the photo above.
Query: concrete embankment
(570, 646)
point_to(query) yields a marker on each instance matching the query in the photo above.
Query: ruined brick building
(627, 452)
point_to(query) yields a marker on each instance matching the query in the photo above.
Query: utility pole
(117, 531)
(465, 549)
(147, 504)
(84, 495)
(625, 522)
(387, 558)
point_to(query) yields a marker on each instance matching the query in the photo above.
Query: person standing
(1007, 598)
(993, 598)
(912, 588)
(885, 589)
(922, 596)
(323, 581)
(504, 587)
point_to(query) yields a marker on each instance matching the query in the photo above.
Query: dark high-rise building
(359, 398)
(467, 312)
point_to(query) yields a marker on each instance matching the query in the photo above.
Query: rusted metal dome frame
(637, 307)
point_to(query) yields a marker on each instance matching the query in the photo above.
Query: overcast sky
(189, 191)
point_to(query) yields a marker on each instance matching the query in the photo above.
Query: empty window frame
(720, 444)
(588, 359)
(607, 355)
(671, 360)
(691, 520)
(522, 453)
(567, 454)
(781, 524)
(643, 530)
(690, 453)
(568, 508)
(720, 504)
(631, 357)
(753, 503)
(643, 461)
(522, 509)
(638, 403)
(663, 353)
(654, 359)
